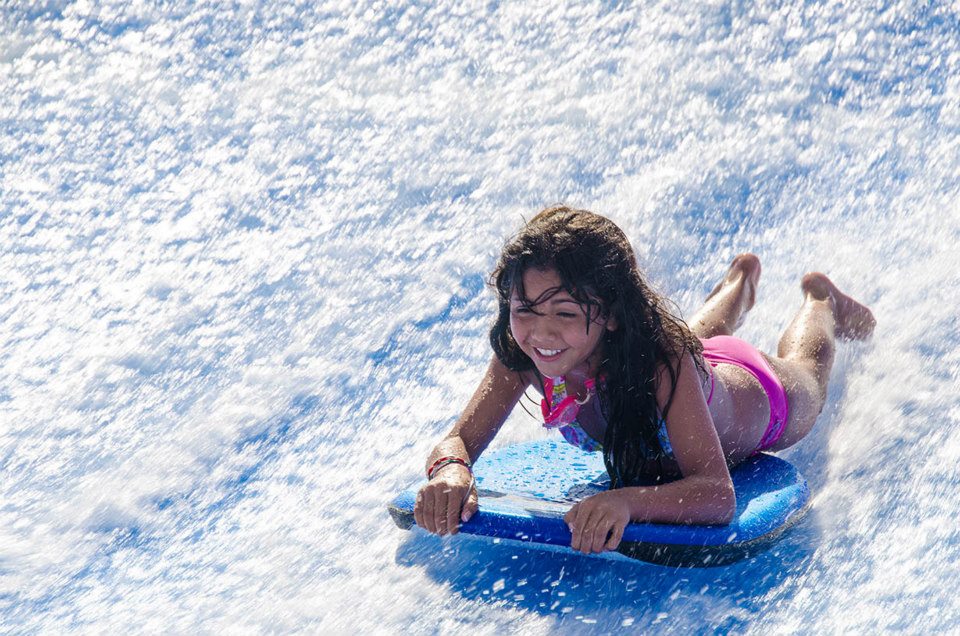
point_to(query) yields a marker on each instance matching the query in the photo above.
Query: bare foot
(854, 321)
(744, 275)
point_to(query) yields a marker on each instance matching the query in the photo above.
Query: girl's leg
(723, 311)
(806, 350)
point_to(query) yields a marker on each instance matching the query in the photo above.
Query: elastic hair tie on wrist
(446, 461)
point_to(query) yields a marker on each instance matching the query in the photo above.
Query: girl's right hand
(447, 499)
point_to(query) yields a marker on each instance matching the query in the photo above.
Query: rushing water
(242, 261)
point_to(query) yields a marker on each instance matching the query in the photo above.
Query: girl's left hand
(597, 522)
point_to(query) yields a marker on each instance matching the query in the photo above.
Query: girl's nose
(544, 330)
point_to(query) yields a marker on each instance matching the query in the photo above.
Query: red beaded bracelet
(445, 461)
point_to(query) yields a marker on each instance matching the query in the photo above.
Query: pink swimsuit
(730, 350)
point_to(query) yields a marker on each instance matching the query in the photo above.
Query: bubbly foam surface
(242, 295)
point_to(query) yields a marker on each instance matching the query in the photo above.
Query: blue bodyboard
(526, 489)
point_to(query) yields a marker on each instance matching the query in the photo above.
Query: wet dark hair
(598, 268)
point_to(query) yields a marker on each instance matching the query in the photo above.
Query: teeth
(547, 352)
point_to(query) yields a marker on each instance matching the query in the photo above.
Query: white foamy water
(242, 295)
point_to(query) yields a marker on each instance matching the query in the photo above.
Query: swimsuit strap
(556, 388)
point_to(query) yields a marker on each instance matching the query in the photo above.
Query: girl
(665, 403)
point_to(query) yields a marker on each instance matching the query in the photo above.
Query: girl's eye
(566, 314)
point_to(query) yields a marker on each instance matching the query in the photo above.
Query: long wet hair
(598, 268)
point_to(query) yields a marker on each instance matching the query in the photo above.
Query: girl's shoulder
(669, 375)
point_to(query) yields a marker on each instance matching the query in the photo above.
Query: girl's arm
(704, 495)
(450, 496)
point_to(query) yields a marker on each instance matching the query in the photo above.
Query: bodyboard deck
(526, 489)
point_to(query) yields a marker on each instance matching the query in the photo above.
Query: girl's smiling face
(556, 333)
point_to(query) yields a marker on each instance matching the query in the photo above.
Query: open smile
(548, 354)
